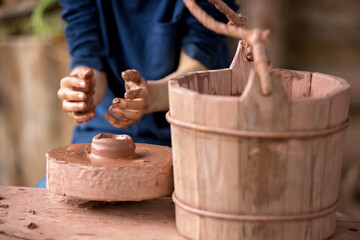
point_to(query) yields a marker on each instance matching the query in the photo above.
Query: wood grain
(224, 174)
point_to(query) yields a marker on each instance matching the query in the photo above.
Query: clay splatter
(32, 225)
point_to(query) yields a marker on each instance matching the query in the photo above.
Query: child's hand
(76, 93)
(134, 105)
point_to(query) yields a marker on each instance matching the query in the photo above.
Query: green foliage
(44, 21)
(48, 24)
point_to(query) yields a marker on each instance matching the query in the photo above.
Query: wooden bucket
(254, 166)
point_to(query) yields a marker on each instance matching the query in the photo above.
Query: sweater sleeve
(202, 44)
(83, 33)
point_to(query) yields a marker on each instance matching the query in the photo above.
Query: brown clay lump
(111, 147)
(31, 225)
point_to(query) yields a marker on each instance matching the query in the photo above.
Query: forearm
(159, 100)
(101, 86)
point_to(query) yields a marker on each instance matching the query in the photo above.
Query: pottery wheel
(87, 171)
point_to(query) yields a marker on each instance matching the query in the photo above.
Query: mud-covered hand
(135, 104)
(76, 93)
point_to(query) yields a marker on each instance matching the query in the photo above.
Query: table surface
(33, 213)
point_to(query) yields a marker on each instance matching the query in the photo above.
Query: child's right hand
(76, 93)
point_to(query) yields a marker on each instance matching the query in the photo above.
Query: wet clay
(109, 148)
(108, 174)
(60, 218)
(31, 225)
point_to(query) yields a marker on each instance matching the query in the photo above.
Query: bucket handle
(255, 37)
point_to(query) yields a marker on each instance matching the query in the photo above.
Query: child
(160, 39)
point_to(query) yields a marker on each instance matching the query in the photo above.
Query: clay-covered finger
(73, 106)
(126, 113)
(86, 73)
(136, 104)
(131, 85)
(132, 94)
(73, 82)
(118, 122)
(136, 93)
(131, 75)
(71, 95)
(82, 117)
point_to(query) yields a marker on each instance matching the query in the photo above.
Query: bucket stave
(254, 166)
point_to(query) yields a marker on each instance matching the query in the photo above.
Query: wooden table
(32, 213)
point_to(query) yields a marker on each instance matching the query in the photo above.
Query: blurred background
(310, 35)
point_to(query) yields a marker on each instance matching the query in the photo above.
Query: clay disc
(146, 175)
